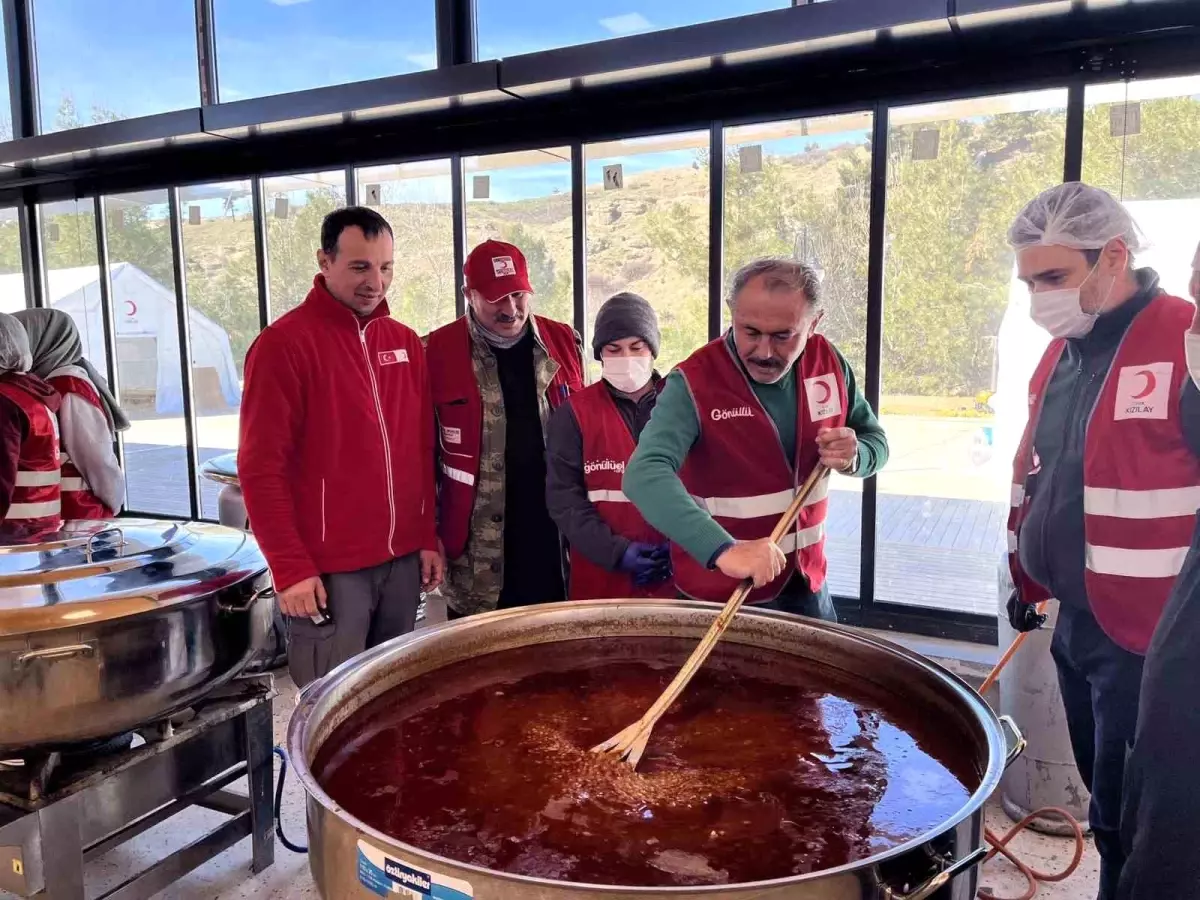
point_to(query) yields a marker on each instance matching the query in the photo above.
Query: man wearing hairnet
(30, 496)
(1105, 479)
(1161, 814)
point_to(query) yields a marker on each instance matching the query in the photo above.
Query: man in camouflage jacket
(497, 373)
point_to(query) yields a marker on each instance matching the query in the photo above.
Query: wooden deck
(931, 551)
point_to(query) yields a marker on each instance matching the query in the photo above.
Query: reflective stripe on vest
(1136, 563)
(1156, 504)
(38, 478)
(75, 484)
(607, 497)
(34, 510)
(458, 475)
(763, 505)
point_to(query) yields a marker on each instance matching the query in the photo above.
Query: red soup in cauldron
(768, 766)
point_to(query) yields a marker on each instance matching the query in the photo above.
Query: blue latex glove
(647, 563)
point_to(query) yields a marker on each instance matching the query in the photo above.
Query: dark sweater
(532, 573)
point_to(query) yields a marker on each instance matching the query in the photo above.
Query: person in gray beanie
(614, 552)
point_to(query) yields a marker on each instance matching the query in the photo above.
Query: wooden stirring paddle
(629, 744)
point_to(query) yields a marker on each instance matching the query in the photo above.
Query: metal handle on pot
(246, 606)
(50, 653)
(941, 879)
(1019, 742)
(87, 548)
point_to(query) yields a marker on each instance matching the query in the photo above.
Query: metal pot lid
(93, 571)
(221, 469)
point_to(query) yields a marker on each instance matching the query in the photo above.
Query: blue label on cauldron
(382, 874)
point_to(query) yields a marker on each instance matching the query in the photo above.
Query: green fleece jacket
(652, 482)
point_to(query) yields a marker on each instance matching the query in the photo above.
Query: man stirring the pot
(497, 374)
(740, 424)
(1104, 481)
(336, 456)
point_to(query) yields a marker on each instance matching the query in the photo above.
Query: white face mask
(1191, 350)
(628, 374)
(1060, 312)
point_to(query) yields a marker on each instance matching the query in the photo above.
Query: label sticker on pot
(383, 874)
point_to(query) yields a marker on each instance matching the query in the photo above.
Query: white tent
(147, 330)
(1171, 229)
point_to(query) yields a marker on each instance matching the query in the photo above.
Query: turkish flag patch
(391, 357)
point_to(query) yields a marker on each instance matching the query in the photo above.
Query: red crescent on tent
(826, 390)
(132, 308)
(1151, 384)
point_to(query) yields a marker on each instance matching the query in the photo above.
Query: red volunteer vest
(459, 408)
(78, 501)
(37, 498)
(607, 447)
(1141, 480)
(737, 469)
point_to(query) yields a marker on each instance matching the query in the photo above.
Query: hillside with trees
(947, 269)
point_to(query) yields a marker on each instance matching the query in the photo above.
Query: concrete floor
(228, 877)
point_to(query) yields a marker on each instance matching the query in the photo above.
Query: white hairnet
(1074, 215)
(14, 346)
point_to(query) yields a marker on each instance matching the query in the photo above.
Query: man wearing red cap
(497, 373)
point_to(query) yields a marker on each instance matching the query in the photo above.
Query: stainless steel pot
(351, 861)
(105, 626)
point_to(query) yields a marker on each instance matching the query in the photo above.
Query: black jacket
(1052, 544)
(566, 494)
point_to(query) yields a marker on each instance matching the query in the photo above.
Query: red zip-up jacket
(336, 451)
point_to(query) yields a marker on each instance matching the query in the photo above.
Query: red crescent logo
(1151, 384)
(132, 308)
(826, 389)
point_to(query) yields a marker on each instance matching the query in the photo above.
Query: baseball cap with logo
(496, 269)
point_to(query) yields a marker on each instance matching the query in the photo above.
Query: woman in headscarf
(29, 457)
(93, 485)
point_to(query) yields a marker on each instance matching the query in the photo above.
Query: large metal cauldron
(344, 853)
(106, 626)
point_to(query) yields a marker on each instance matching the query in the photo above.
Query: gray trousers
(368, 607)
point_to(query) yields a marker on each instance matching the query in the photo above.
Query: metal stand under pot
(60, 810)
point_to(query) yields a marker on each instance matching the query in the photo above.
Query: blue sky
(116, 56)
(139, 56)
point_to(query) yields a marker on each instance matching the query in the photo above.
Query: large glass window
(149, 376)
(12, 277)
(102, 61)
(73, 271)
(222, 294)
(415, 198)
(802, 189)
(545, 24)
(524, 198)
(647, 232)
(958, 345)
(290, 45)
(1141, 141)
(6, 125)
(295, 207)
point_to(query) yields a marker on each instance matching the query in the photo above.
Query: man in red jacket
(336, 457)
